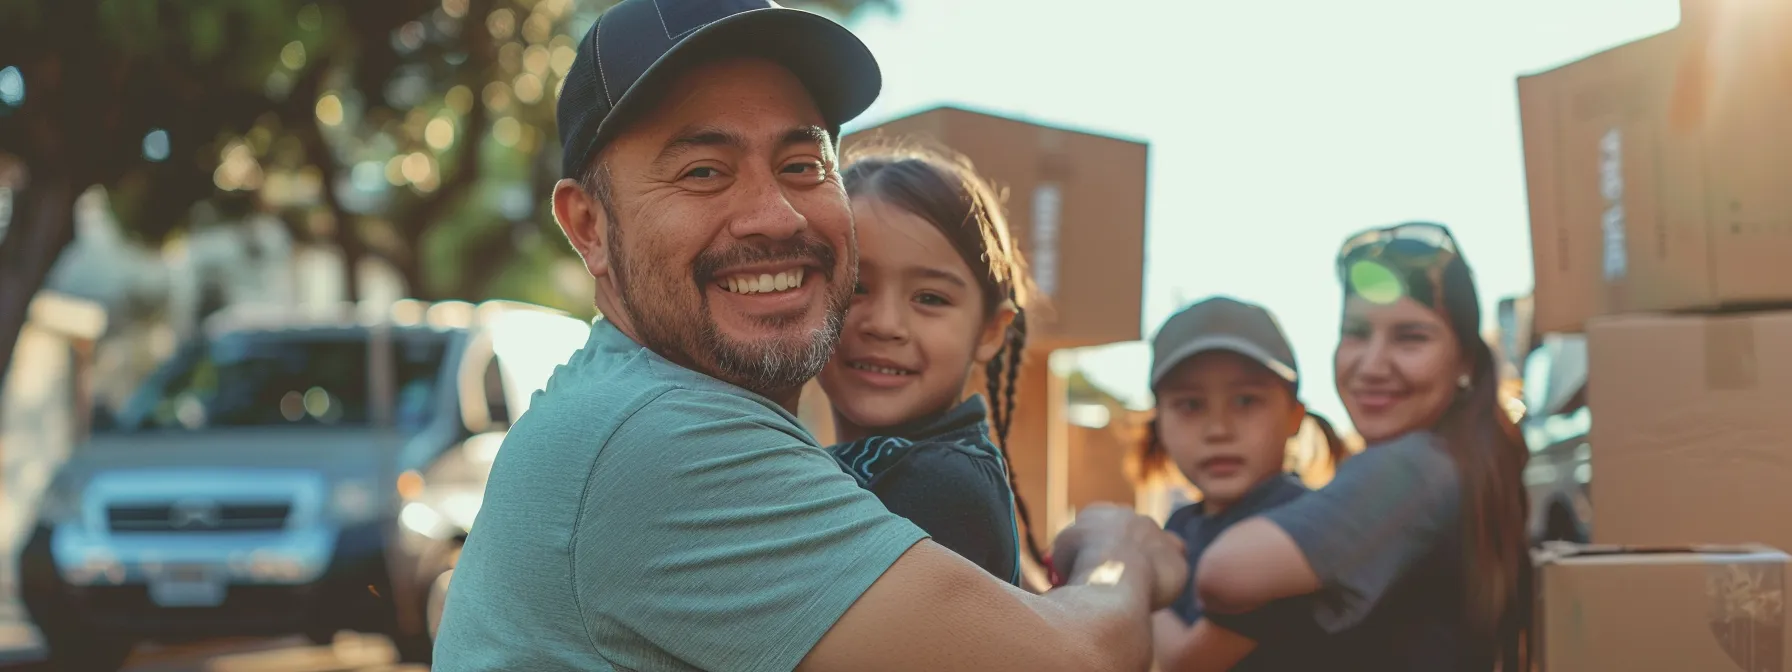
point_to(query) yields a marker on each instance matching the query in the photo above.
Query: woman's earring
(1463, 381)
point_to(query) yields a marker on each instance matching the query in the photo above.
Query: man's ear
(995, 332)
(585, 224)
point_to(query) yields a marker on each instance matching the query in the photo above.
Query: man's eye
(860, 289)
(809, 168)
(702, 172)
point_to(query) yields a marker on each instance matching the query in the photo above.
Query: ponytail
(1334, 445)
(1002, 376)
(1150, 459)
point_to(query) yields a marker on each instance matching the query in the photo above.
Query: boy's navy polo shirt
(1297, 635)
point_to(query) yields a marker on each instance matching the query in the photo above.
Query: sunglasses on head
(1382, 265)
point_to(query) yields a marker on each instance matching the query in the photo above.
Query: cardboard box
(1692, 428)
(1606, 176)
(1703, 14)
(1076, 207)
(1655, 173)
(1704, 609)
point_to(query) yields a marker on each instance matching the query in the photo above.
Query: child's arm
(1203, 648)
(1355, 538)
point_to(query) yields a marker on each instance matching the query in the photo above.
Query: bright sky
(1277, 127)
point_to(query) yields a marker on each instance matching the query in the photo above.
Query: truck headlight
(354, 502)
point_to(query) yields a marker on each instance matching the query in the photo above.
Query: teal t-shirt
(643, 516)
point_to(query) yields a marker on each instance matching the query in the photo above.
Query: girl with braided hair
(941, 294)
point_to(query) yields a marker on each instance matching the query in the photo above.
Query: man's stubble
(762, 367)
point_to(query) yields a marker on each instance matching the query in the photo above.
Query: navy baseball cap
(638, 46)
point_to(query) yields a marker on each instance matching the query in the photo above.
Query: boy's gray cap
(1222, 323)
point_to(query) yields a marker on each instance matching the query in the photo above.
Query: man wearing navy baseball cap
(660, 507)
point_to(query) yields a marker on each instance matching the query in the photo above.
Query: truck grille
(198, 516)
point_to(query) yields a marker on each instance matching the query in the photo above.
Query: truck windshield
(287, 379)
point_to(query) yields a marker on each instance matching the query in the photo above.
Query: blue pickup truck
(286, 474)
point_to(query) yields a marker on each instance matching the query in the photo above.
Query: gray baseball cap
(1222, 323)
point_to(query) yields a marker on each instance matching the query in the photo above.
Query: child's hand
(1107, 538)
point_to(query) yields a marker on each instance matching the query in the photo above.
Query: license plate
(187, 587)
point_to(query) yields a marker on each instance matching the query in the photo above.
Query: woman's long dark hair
(945, 190)
(1490, 458)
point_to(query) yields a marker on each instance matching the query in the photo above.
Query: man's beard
(678, 333)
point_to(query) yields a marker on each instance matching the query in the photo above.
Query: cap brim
(833, 64)
(1166, 364)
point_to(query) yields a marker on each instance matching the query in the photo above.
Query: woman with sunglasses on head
(1416, 551)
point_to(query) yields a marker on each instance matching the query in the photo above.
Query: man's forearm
(1099, 627)
(1103, 616)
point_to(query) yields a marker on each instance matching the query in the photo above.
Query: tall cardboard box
(1595, 144)
(1662, 610)
(1692, 428)
(1705, 14)
(1656, 171)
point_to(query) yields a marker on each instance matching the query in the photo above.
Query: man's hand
(1108, 539)
(934, 610)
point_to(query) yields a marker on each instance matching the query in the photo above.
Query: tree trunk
(348, 239)
(345, 233)
(43, 225)
(483, 260)
(410, 268)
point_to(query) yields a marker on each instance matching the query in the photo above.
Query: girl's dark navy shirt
(1297, 639)
(944, 475)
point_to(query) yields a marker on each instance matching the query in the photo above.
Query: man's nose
(765, 209)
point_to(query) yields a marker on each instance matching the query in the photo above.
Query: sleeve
(726, 539)
(960, 500)
(1382, 513)
(1185, 604)
(1284, 622)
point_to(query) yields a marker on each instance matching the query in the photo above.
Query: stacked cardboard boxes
(1657, 177)
(1708, 609)
(1660, 180)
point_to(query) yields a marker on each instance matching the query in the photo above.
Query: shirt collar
(609, 340)
(1255, 496)
(968, 414)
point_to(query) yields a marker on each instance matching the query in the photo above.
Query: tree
(418, 132)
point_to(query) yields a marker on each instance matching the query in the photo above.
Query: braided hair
(943, 188)
(1001, 414)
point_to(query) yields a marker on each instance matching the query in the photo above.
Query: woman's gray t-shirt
(1385, 539)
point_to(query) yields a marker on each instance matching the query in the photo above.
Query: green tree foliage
(418, 132)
